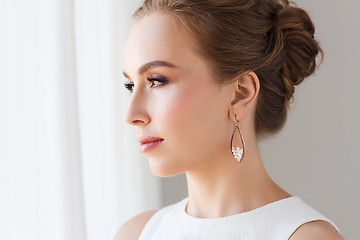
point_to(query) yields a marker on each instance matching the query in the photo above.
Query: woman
(207, 79)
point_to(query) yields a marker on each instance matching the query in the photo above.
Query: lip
(148, 143)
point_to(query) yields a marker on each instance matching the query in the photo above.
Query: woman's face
(175, 98)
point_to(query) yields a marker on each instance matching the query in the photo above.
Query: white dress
(274, 221)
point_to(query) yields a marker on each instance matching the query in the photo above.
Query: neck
(229, 187)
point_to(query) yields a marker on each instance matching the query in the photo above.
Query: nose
(136, 113)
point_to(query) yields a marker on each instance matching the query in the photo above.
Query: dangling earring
(238, 153)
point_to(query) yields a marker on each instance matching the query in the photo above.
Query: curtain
(69, 165)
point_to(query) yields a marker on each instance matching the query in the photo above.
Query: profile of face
(175, 97)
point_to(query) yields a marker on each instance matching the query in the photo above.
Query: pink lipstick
(148, 143)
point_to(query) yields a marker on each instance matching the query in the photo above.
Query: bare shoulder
(316, 230)
(131, 229)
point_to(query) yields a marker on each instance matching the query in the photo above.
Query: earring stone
(237, 152)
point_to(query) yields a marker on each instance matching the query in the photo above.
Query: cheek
(189, 114)
(188, 118)
(185, 106)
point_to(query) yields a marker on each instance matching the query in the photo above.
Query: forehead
(158, 37)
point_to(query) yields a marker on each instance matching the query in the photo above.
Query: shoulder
(133, 227)
(316, 230)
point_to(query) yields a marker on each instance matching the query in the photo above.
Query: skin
(195, 117)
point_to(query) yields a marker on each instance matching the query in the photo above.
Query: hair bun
(300, 48)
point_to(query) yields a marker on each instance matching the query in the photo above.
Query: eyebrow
(152, 64)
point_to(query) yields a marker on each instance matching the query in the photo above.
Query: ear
(246, 89)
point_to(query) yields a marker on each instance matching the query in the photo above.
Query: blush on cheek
(187, 103)
(185, 111)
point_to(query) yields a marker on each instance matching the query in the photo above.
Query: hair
(273, 38)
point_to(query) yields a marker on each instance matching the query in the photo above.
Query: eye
(129, 86)
(154, 82)
(157, 80)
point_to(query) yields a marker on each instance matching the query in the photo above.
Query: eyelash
(130, 86)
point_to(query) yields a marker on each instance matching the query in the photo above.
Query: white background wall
(69, 168)
(317, 155)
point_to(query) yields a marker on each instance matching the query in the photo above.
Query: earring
(238, 153)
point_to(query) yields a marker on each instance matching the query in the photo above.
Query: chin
(163, 168)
